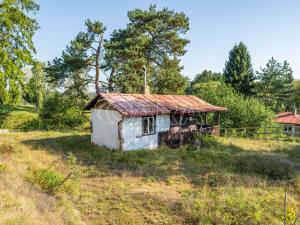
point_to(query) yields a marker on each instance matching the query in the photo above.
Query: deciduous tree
(16, 45)
(35, 89)
(242, 112)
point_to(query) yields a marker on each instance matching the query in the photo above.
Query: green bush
(47, 179)
(59, 112)
(21, 121)
(242, 112)
(267, 165)
(206, 141)
(4, 113)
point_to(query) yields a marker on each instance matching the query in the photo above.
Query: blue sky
(268, 27)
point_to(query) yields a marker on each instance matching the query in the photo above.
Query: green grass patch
(273, 166)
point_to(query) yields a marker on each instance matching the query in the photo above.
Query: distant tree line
(251, 97)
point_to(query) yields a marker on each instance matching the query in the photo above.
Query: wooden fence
(275, 132)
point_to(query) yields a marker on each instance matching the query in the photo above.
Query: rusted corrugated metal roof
(142, 105)
(287, 118)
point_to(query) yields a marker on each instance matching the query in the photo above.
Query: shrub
(206, 141)
(4, 113)
(268, 165)
(242, 112)
(47, 179)
(60, 112)
(22, 121)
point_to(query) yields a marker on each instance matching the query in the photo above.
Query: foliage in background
(152, 38)
(168, 79)
(19, 118)
(242, 112)
(205, 76)
(238, 70)
(35, 90)
(295, 95)
(60, 112)
(275, 85)
(4, 113)
(16, 32)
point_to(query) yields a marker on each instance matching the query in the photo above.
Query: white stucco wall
(105, 127)
(132, 133)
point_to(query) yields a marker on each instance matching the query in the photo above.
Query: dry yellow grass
(155, 187)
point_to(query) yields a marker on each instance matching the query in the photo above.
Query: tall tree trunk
(97, 66)
(110, 80)
(97, 86)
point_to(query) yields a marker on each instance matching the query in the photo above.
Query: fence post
(284, 210)
(265, 133)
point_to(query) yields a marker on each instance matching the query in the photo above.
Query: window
(148, 125)
(288, 129)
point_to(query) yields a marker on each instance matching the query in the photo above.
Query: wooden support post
(205, 118)
(219, 118)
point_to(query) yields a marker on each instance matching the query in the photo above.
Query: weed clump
(47, 179)
(52, 181)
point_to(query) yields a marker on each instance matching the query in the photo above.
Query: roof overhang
(144, 105)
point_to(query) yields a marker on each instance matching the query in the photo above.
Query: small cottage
(290, 122)
(146, 121)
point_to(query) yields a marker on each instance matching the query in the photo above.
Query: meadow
(52, 177)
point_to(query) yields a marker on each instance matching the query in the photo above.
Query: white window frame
(153, 130)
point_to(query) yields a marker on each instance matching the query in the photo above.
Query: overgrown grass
(232, 181)
(23, 117)
(26, 118)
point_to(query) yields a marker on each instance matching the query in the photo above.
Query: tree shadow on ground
(220, 165)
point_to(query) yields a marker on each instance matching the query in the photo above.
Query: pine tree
(238, 70)
(152, 38)
(16, 46)
(80, 60)
(275, 85)
(168, 79)
(71, 71)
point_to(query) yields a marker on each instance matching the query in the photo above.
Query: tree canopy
(275, 85)
(35, 89)
(152, 38)
(16, 46)
(242, 112)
